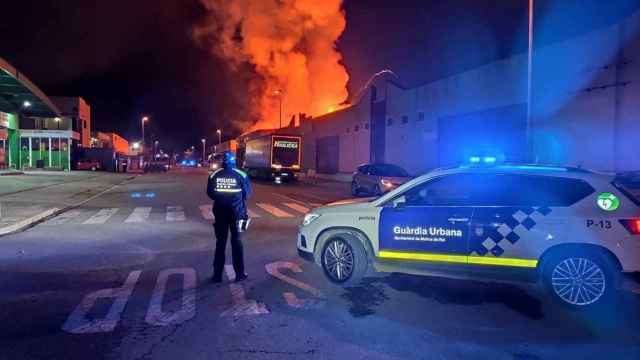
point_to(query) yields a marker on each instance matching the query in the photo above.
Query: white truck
(271, 156)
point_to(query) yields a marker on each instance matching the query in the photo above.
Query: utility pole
(279, 93)
(204, 151)
(529, 140)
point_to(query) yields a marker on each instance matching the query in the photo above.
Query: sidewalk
(28, 199)
(4, 172)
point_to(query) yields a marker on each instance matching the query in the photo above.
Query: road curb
(21, 225)
(34, 220)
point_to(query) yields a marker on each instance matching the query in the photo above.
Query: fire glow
(291, 46)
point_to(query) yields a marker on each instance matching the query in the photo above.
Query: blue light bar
(489, 160)
(474, 159)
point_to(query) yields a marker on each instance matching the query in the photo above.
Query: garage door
(327, 158)
(495, 131)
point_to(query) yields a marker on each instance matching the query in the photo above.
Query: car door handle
(458, 219)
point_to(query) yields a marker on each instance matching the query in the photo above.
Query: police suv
(576, 232)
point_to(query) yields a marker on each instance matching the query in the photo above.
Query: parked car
(215, 162)
(377, 179)
(88, 164)
(157, 166)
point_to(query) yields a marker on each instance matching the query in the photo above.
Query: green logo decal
(608, 201)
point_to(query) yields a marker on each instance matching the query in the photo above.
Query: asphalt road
(126, 276)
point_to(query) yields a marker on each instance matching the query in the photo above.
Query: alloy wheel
(338, 260)
(578, 281)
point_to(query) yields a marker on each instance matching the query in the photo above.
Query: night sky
(133, 58)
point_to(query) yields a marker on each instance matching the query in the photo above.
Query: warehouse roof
(18, 93)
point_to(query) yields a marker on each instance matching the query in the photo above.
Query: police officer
(229, 189)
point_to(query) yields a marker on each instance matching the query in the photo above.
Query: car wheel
(344, 260)
(354, 189)
(580, 281)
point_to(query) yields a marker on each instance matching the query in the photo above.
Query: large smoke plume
(290, 47)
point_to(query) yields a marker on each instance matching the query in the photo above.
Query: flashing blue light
(192, 162)
(135, 195)
(489, 160)
(474, 159)
(150, 195)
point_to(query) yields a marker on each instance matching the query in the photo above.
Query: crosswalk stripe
(252, 214)
(206, 211)
(101, 216)
(64, 217)
(274, 210)
(175, 213)
(139, 214)
(297, 207)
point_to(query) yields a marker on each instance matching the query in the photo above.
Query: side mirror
(399, 204)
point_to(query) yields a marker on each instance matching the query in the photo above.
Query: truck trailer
(271, 156)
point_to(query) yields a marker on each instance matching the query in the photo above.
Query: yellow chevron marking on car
(460, 259)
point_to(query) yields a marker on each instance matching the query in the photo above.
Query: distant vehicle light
(214, 166)
(276, 166)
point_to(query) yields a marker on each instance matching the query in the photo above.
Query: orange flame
(291, 45)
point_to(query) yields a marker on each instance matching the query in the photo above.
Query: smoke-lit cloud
(290, 47)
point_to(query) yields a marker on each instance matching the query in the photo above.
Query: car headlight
(309, 218)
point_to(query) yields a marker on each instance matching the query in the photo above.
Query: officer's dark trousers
(226, 223)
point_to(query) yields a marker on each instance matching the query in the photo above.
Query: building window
(389, 121)
(356, 128)
(85, 124)
(405, 119)
(420, 116)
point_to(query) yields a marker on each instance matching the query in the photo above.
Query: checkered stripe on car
(514, 223)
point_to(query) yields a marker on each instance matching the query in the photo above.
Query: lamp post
(529, 139)
(142, 121)
(279, 93)
(155, 148)
(219, 132)
(204, 151)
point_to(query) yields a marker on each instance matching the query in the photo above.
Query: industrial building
(36, 131)
(584, 112)
(33, 133)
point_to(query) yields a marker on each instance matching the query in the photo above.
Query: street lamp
(155, 148)
(57, 120)
(204, 151)
(279, 94)
(219, 132)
